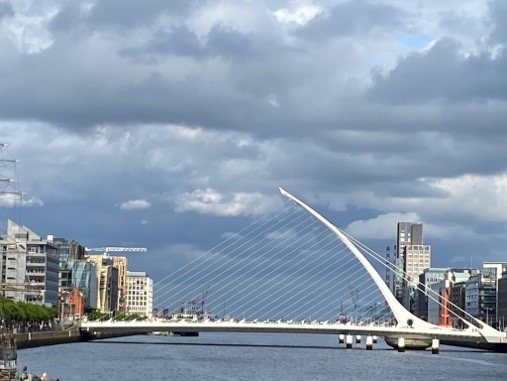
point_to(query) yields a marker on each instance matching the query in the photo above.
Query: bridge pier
(401, 344)
(341, 338)
(369, 343)
(435, 344)
(348, 342)
(375, 338)
(358, 339)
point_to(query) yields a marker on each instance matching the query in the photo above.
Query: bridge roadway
(470, 337)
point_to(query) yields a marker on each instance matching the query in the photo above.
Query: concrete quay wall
(43, 338)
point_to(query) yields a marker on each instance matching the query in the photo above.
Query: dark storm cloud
(69, 97)
(354, 17)
(118, 14)
(498, 10)
(399, 164)
(5, 9)
(181, 41)
(228, 42)
(131, 13)
(443, 73)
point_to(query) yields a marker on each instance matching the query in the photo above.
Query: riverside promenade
(71, 334)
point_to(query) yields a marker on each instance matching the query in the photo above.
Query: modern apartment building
(500, 268)
(480, 295)
(31, 266)
(121, 264)
(446, 300)
(107, 283)
(427, 278)
(83, 276)
(68, 251)
(502, 301)
(139, 294)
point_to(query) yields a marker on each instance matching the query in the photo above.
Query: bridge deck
(469, 335)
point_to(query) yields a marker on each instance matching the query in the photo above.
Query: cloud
(352, 17)
(460, 77)
(298, 13)
(209, 201)
(481, 196)
(368, 111)
(5, 9)
(32, 201)
(381, 227)
(15, 199)
(138, 204)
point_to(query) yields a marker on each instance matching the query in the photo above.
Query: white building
(29, 266)
(139, 294)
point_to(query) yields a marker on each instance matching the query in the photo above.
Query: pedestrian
(24, 374)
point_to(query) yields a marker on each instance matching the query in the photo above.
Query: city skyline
(171, 126)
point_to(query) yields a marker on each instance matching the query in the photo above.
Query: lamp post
(62, 310)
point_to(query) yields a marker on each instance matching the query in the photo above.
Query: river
(254, 356)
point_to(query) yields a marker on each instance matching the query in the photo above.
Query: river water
(256, 356)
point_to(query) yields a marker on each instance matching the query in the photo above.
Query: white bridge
(402, 327)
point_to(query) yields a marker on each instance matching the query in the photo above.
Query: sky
(171, 124)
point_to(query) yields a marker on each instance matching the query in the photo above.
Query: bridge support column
(375, 338)
(435, 344)
(348, 342)
(401, 344)
(369, 343)
(341, 338)
(358, 339)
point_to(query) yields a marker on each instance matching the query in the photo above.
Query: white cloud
(381, 227)
(14, 200)
(299, 13)
(482, 196)
(209, 201)
(273, 101)
(240, 16)
(134, 204)
(29, 28)
(32, 201)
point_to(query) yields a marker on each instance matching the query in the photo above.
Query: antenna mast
(9, 189)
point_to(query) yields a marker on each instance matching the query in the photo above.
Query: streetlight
(62, 310)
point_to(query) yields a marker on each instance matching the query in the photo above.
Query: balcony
(35, 264)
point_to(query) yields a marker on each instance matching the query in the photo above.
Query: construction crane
(195, 306)
(116, 249)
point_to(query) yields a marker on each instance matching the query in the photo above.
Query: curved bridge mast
(402, 315)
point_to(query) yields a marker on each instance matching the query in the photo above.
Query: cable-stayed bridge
(294, 271)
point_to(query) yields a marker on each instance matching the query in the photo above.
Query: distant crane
(195, 306)
(116, 249)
